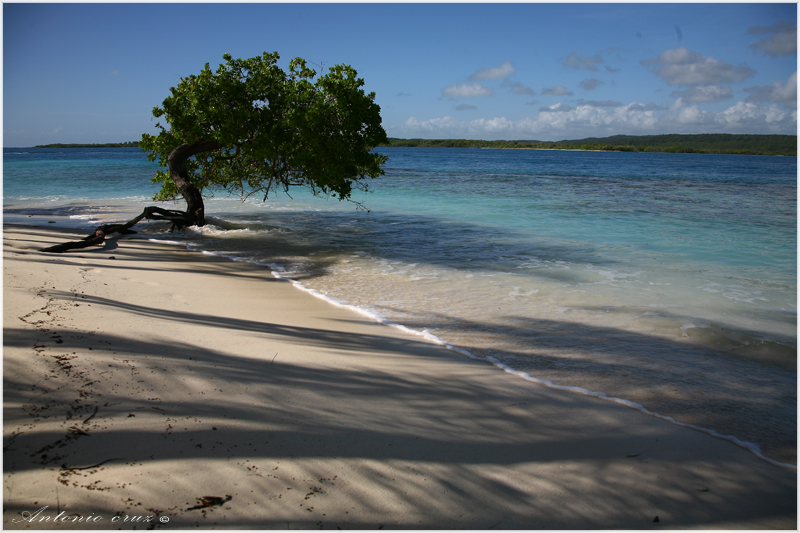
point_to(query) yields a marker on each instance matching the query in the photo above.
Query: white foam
(689, 325)
(519, 291)
(751, 447)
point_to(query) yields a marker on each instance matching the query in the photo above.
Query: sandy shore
(139, 377)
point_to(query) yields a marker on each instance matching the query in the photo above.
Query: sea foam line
(755, 449)
(276, 271)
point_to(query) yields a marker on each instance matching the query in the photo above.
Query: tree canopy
(251, 128)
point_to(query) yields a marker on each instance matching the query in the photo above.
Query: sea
(666, 282)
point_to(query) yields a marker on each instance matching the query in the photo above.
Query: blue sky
(94, 72)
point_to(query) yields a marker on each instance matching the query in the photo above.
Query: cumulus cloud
(466, 90)
(431, 125)
(494, 73)
(704, 93)
(781, 40)
(680, 66)
(558, 90)
(556, 108)
(590, 84)
(492, 125)
(578, 62)
(777, 93)
(747, 117)
(517, 88)
(561, 121)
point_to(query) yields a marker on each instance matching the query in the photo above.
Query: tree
(251, 128)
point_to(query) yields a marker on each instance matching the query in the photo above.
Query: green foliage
(708, 143)
(268, 129)
(711, 143)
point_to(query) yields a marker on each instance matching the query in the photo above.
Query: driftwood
(179, 219)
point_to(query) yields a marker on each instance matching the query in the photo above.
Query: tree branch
(178, 218)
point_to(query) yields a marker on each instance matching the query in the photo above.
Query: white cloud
(558, 90)
(781, 42)
(680, 66)
(704, 93)
(578, 62)
(431, 125)
(494, 73)
(748, 115)
(556, 108)
(776, 93)
(561, 121)
(683, 115)
(466, 91)
(490, 126)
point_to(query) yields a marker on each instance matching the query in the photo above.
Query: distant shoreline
(132, 144)
(710, 143)
(706, 143)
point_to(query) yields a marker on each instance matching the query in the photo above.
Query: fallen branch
(65, 467)
(179, 219)
(92, 416)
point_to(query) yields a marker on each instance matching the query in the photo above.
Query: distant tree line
(132, 144)
(706, 143)
(710, 143)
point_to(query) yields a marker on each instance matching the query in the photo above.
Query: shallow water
(664, 279)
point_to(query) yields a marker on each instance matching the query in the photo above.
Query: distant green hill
(133, 144)
(707, 143)
(716, 143)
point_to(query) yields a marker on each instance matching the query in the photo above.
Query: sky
(92, 73)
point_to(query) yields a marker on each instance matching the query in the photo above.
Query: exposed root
(179, 220)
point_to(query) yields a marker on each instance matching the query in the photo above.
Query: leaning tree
(251, 128)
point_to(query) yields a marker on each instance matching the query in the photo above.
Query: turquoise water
(666, 279)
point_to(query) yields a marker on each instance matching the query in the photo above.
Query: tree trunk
(195, 209)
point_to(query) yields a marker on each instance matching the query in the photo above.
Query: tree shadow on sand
(327, 417)
(283, 427)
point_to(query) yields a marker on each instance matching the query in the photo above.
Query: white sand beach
(140, 377)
